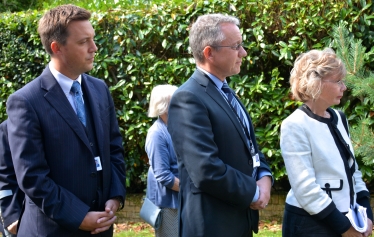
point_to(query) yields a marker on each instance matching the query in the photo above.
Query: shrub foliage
(140, 48)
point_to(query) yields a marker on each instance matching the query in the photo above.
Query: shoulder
(298, 117)
(197, 81)
(28, 92)
(94, 80)
(156, 130)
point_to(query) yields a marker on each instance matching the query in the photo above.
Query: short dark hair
(53, 26)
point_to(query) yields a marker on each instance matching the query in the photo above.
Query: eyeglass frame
(340, 82)
(236, 47)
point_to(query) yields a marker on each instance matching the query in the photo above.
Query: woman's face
(333, 88)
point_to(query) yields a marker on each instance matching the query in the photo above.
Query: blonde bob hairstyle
(160, 100)
(309, 70)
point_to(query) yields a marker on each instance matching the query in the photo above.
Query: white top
(312, 159)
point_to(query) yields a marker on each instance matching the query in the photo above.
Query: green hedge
(139, 49)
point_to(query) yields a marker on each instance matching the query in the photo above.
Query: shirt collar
(64, 82)
(215, 79)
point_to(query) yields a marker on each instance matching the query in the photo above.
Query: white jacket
(312, 160)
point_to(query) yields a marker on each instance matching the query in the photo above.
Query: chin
(89, 68)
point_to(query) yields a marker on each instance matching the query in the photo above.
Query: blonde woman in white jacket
(317, 151)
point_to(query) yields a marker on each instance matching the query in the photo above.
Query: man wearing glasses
(224, 177)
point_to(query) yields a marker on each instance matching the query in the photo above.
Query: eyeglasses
(340, 82)
(236, 47)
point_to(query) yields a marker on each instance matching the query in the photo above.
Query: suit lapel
(93, 101)
(57, 99)
(211, 90)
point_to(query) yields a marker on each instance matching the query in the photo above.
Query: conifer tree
(360, 83)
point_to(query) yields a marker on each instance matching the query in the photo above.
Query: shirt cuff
(257, 195)
(263, 172)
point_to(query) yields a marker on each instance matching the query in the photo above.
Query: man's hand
(12, 228)
(97, 222)
(111, 207)
(264, 185)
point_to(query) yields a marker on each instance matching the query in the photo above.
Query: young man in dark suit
(64, 136)
(224, 178)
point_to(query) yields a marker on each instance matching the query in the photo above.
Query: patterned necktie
(237, 108)
(235, 105)
(78, 101)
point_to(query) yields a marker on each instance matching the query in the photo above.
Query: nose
(93, 46)
(344, 87)
(242, 52)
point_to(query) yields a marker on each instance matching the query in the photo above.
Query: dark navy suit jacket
(53, 160)
(214, 162)
(11, 195)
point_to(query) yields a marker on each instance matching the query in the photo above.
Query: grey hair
(309, 70)
(206, 31)
(160, 100)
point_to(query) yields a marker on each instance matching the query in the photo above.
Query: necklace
(326, 115)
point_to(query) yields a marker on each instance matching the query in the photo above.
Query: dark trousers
(295, 225)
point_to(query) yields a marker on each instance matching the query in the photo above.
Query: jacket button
(93, 174)
(250, 162)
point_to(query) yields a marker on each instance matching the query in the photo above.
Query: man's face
(226, 61)
(77, 55)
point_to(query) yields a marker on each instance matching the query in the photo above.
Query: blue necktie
(235, 105)
(78, 101)
(237, 109)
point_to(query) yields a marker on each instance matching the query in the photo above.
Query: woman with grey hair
(318, 154)
(162, 181)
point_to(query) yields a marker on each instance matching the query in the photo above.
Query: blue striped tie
(78, 101)
(235, 104)
(237, 108)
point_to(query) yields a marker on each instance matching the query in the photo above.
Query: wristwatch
(120, 200)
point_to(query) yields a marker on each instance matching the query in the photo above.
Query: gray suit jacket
(53, 159)
(215, 165)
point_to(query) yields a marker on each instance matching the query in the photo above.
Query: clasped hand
(264, 185)
(97, 222)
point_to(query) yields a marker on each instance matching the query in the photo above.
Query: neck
(58, 67)
(164, 118)
(208, 68)
(318, 110)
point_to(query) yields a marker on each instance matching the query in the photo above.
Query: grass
(140, 229)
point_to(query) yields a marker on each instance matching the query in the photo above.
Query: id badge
(98, 163)
(256, 160)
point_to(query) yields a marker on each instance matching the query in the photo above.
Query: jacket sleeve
(118, 185)
(11, 197)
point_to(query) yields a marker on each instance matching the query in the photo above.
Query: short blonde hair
(309, 70)
(160, 100)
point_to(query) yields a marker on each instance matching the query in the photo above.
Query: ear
(55, 47)
(208, 52)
